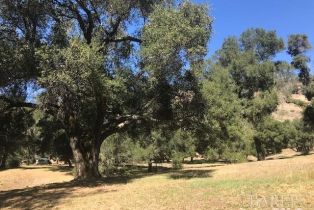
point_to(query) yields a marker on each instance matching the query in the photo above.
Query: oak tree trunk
(68, 161)
(3, 160)
(150, 166)
(259, 150)
(86, 162)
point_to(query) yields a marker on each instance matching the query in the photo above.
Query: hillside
(290, 109)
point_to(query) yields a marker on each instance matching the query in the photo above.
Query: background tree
(52, 139)
(285, 79)
(249, 63)
(13, 135)
(227, 131)
(298, 44)
(274, 135)
(264, 44)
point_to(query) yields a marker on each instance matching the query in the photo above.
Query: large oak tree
(101, 65)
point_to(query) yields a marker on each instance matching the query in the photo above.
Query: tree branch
(118, 124)
(115, 27)
(123, 39)
(13, 103)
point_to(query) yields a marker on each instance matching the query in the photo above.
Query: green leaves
(224, 118)
(76, 81)
(249, 60)
(298, 44)
(251, 76)
(261, 106)
(265, 44)
(173, 37)
(229, 51)
(275, 136)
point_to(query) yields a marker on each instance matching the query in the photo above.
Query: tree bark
(260, 153)
(150, 166)
(3, 161)
(69, 162)
(95, 159)
(86, 161)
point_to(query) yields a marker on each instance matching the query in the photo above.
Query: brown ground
(29, 176)
(197, 186)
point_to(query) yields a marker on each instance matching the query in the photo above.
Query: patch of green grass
(297, 102)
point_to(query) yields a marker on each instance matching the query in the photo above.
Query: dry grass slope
(290, 111)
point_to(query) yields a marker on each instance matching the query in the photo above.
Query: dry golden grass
(287, 111)
(29, 176)
(197, 186)
(300, 97)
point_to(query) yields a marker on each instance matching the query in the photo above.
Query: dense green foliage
(298, 44)
(108, 84)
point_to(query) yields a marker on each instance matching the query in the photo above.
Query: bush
(305, 143)
(177, 160)
(13, 162)
(274, 136)
(233, 157)
(212, 155)
(296, 102)
(115, 155)
(309, 91)
(107, 166)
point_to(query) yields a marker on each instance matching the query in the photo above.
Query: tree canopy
(106, 82)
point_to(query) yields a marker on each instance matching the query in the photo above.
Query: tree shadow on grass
(132, 172)
(48, 196)
(31, 198)
(279, 156)
(53, 168)
(200, 161)
(190, 174)
(67, 169)
(206, 166)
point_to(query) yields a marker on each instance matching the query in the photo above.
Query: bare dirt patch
(29, 176)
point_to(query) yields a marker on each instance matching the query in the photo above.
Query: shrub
(233, 156)
(304, 143)
(309, 91)
(177, 159)
(274, 136)
(296, 102)
(13, 162)
(212, 155)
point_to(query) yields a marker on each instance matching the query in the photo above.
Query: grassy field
(283, 183)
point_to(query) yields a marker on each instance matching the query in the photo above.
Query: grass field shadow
(46, 196)
(278, 157)
(190, 174)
